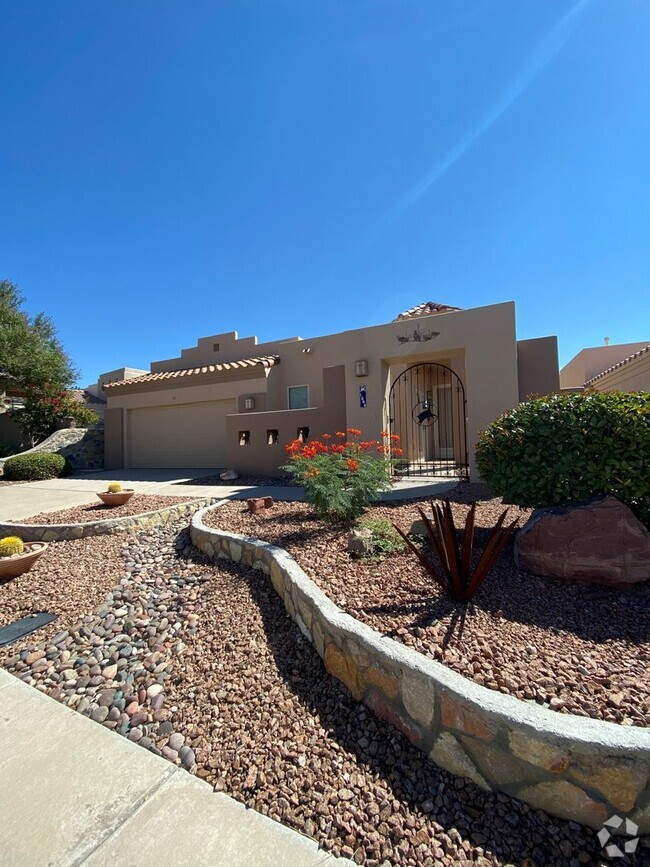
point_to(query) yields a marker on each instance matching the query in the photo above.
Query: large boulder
(599, 541)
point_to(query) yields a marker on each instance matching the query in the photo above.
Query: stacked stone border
(577, 768)
(106, 527)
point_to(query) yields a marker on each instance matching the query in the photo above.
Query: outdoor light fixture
(249, 403)
(307, 350)
(361, 367)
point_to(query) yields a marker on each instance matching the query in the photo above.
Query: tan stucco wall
(633, 376)
(537, 366)
(590, 362)
(479, 344)
(258, 457)
(114, 438)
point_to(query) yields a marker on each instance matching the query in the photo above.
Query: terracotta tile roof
(81, 395)
(426, 309)
(620, 364)
(266, 361)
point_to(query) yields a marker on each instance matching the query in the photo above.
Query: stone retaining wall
(108, 526)
(83, 447)
(573, 767)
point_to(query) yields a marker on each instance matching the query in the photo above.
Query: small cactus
(11, 545)
(114, 488)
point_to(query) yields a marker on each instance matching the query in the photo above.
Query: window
(215, 347)
(273, 437)
(298, 396)
(244, 437)
(302, 434)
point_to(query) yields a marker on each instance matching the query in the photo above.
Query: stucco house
(615, 367)
(435, 375)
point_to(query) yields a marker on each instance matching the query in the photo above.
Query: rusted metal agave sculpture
(457, 577)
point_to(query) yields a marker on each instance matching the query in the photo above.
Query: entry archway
(427, 410)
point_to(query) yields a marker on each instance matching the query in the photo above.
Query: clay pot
(118, 499)
(17, 564)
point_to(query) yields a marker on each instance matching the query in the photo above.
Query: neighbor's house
(435, 376)
(620, 367)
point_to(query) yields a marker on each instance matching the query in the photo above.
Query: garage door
(187, 435)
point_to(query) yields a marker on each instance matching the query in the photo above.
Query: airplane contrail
(549, 46)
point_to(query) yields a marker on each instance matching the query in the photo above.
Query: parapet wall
(573, 767)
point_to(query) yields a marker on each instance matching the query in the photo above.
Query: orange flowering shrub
(342, 478)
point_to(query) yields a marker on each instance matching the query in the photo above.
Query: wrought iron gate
(426, 409)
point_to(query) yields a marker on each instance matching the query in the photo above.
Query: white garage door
(188, 435)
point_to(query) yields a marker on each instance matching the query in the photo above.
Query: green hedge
(40, 465)
(569, 447)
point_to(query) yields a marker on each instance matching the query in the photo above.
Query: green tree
(31, 353)
(29, 348)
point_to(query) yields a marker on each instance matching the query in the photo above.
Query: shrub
(385, 538)
(30, 467)
(568, 447)
(11, 545)
(456, 575)
(341, 475)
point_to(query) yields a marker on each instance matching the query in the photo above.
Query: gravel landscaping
(240, 481)
(574, 648)
(200, 662)
(70, 579)
(97, 511)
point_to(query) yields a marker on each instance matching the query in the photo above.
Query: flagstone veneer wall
(573, 767)
(106, 527)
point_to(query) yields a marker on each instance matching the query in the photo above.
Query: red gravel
(70, 579)
(99, 512)
(574, 648)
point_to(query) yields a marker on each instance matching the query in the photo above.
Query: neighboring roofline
(189, 373)
(620, 364)
(427, 308)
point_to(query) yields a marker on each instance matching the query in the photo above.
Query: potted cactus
(115, 495)
(17, 557)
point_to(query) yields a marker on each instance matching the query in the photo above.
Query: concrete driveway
(22, 501)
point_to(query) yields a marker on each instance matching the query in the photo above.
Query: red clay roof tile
(265, 361)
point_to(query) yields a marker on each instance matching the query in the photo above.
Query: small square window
(244, 437)
(272, 437)
(302, 434)
(298, 396)
(215, 347)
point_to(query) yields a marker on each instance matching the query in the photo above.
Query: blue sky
(171, 170)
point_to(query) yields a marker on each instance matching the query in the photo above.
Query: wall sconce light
(249, 403)
(361, 367)
(307, 350)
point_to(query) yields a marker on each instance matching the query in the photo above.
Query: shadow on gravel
(590, 612)
(506, 829)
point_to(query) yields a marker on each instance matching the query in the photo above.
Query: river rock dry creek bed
(578, 649)
(200, 662)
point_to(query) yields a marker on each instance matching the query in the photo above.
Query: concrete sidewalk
(23, 501)
(75, 793)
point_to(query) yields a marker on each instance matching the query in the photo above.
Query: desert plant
(341, 474)
(11, 545)
(384, 540)
(32, 467)
(569, 447)
(457, 577)
(114, 488)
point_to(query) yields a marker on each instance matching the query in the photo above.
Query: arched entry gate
(426, 409)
